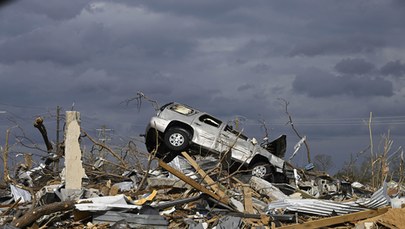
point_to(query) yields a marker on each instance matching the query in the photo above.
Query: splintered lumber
(338, 219)
(31, 216)
(11, 207)
(210, 182)
(191, 182)
(247, 192)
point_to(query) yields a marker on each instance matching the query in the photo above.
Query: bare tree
(140, 96)
(323, 162)
(290, 121)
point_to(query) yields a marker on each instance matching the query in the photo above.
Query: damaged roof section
(330, 208)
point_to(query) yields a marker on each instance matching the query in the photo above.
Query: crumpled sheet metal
(20, 193)
(104, 203)
(130, 220)
(327, 207)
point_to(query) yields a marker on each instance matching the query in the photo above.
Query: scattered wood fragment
(338, 219)
(191, 182)
(11, 207)
(247, 192)
(210, 182)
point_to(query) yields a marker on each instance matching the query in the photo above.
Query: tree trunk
(32, 215)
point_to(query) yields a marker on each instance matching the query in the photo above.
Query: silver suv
(178, 127)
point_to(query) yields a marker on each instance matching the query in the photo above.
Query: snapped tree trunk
(32, 215)
(39, 124)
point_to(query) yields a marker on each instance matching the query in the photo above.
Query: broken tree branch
(7, 177)
(372, 158)
(124, 164)
(11, 207)
(151, 156)
(5, 157)
(139, 96)
(39, 124)
(32, 215)
(290, 121)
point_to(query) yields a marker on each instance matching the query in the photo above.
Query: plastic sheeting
(105, 203)
(20, 193)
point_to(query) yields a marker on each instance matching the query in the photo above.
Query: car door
(241, 147)
(208, 129)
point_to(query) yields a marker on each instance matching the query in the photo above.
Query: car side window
(236, 133)
(182, 109)
(209, 120)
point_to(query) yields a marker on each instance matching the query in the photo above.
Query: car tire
(263, 170)
(177, 139)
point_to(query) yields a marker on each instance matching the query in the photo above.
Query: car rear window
(182, 109)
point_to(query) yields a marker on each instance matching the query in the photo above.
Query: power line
(21, 106)
(384, 120)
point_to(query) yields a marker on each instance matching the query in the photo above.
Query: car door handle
(197, 124)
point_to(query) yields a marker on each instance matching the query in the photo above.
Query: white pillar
(74, 171)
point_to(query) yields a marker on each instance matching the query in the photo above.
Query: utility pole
(103, 134)
(103, 137)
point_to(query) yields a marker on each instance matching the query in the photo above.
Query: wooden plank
(247, 199)
(207, 179)
(338, 219)
(191, 182)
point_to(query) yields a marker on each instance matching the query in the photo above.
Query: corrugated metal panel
(378, 199)
(132, 220)
(327, 207)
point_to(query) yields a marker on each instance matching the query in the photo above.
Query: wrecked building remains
(199, 172)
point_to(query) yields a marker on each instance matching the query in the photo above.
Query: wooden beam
(191, 182)
(247, 199)
(338, 219)
(207, 179)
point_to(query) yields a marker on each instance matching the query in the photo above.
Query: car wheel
(263, 170)
(177, 139)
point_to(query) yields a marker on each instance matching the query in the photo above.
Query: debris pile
(193, 197)
(188, 192)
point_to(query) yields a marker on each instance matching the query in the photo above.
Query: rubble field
(197, 193)
(191, 191)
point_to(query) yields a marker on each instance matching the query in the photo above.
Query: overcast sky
(334, 61)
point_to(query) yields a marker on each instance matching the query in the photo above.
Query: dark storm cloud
(393, 68)
(335, 46)
(205, 9)
(245, 87)
(67, 47)
(5, 2)
(52, 44)
(318, 83)
(261, 68)
(55, 9)
(354, 66)
(226, 59)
